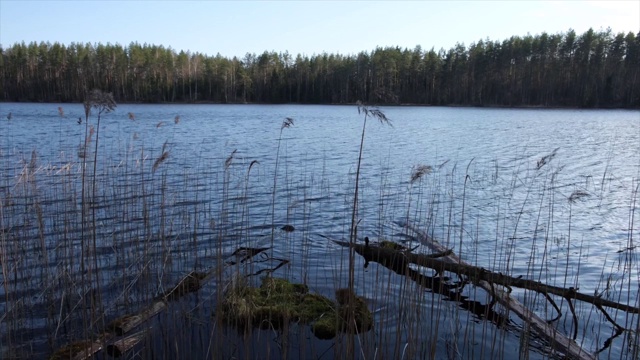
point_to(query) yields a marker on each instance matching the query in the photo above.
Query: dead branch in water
(474, 274)
(190, 283)
(445, 260)
(120, 347)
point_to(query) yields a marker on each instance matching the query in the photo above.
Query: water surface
(547, 194)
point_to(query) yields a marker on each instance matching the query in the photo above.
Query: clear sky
(234, 28)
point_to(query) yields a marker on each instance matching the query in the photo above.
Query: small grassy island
(277, 302)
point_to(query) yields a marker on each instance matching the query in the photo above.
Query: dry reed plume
(163, 156)
(419, 171)
(229, 159)
(287, 123)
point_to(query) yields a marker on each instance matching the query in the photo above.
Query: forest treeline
(594, 69)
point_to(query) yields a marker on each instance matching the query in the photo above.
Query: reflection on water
(546, 194)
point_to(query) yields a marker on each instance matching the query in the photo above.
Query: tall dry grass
(79, 251)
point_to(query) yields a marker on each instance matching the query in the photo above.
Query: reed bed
(79, 252)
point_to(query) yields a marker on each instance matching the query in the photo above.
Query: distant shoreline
(553, 107)
(593, 70)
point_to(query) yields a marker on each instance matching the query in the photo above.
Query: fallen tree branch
(118, 348)
(190, 283)
(399, 260)
(126, 323)
(476, 274)
(81, 350)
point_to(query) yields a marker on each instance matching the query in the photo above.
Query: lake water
(547, 194)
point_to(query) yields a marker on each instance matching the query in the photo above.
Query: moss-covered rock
(277, 302)
(350, 302)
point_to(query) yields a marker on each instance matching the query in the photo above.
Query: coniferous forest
(593, 69)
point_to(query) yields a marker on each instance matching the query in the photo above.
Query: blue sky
(234, 28)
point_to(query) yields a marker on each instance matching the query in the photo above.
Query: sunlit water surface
(547, 194)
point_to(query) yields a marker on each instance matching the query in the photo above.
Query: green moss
(277, 302)
(274, 287)
(325, 327)
(314, 306)
(386, 244)
(350, 302)
(362, 315)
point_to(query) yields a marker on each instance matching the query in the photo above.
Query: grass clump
(277, 302)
